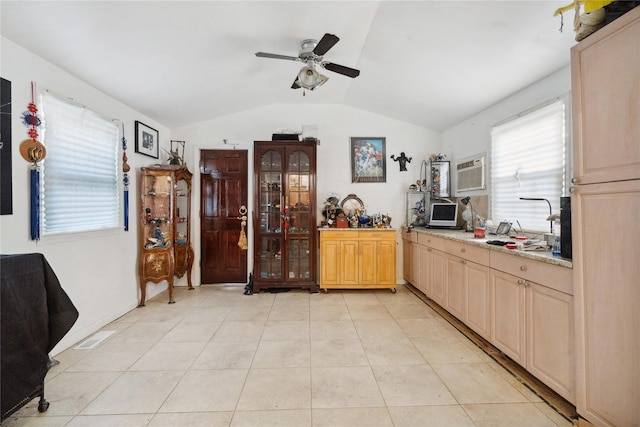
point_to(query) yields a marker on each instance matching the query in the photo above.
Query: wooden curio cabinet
(165, 247)
(284, 218)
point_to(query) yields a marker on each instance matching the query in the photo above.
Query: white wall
(336, 124)
(473, 136)
(97, 270)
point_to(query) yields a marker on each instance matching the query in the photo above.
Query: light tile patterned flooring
(345, 358)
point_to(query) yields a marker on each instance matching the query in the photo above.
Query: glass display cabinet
(164, 243)
(284, 215)
(416, 208)
(439, 179)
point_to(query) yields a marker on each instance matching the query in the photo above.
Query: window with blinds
(80, 172)
(528, 159)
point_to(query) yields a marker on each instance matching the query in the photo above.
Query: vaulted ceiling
(431, 63)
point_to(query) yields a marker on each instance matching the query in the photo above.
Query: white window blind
(528, 160)
(80, 172)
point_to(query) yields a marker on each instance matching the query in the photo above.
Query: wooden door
(223, 190)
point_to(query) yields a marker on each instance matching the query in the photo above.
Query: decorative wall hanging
(6, 187)
(33, 151)
(175, 156)
(125, 180)
(368, 159)
(403, 160)
(147, 140)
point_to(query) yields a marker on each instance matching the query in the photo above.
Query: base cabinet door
(456, 277)
(438, 277)
(331, 260)
(508, 316)
(385, 262)
(478, 304)
(550, 355)
(407, 261)
(424, 270)
(368, 263)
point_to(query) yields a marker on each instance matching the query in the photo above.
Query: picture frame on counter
(368, 159)
(147, 140)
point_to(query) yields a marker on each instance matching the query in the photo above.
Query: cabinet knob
(572, 189)
(463, 261)
(521, 282)
(523, 268)
(574, 180)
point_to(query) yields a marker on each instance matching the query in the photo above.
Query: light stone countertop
(462, 236)
(356, 229)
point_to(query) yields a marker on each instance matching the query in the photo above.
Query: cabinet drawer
(468, 252)
(410, 236)
(338, 235)
(431, 242)
(549, 275)
(377, 235)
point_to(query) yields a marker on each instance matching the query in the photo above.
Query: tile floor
(346, 358)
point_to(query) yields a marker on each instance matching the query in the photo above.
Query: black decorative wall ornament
(403, 160)
(6, 191)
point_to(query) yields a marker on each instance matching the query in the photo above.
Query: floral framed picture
(147, 140)
(368, 159)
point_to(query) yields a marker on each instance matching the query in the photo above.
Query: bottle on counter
(555, 249)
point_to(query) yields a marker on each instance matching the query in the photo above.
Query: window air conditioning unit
(471, 173)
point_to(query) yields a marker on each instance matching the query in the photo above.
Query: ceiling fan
(311, 53)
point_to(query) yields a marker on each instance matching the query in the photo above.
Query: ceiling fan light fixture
(309, 78)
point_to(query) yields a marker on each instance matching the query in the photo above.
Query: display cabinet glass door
(183, 251)
(270, 215)
(297, 200)
(158, 208)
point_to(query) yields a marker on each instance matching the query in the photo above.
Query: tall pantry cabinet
(606, 209)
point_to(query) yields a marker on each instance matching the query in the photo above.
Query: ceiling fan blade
(276, 56)
(295, 84)
(341, 69)
(326, 42)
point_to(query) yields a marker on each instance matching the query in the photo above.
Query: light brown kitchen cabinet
(460, 271)
(357, 259)
(532, 320)
(524, 307)
(605, 205)
(606, 102)
(164, 248)
(508, 315)
(432, 267)
(409, 240)
(478, 299)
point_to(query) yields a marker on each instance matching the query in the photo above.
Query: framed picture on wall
(147, 140)
(368, 159)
